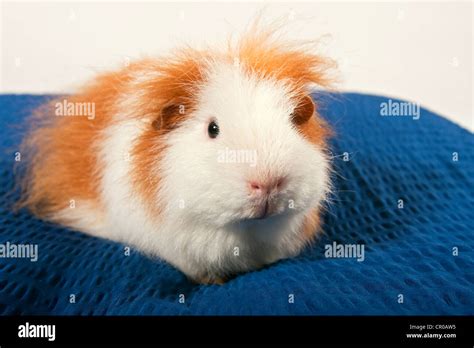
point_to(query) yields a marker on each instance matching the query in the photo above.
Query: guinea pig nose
(255, 186)
(265, 187)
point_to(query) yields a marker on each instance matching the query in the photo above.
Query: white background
(419, 51)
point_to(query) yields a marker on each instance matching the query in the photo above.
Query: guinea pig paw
(210, 280)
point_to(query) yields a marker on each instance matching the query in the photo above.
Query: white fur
(202, 237)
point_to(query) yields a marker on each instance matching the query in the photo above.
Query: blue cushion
(408, 251)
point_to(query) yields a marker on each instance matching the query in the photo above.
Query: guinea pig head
(237, 137)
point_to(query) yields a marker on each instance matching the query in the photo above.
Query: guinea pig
(214, 160)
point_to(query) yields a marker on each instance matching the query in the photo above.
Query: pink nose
(265, 187)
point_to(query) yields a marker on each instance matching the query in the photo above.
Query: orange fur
(60, 151)
(316, 131)
(301, 70)
(311, 224)
(207, 280)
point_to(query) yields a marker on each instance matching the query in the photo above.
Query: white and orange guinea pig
(213, 160)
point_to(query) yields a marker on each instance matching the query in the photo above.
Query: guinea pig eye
(213, 129)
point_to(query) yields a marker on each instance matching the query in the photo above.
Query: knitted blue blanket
(404, 198)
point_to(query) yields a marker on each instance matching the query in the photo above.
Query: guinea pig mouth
(264, 212)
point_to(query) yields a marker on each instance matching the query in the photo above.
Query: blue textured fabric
(408, 251)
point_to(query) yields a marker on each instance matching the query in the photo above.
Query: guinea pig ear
(169, 116)
(303, 111)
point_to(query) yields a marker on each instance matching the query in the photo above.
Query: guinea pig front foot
(210, 280)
